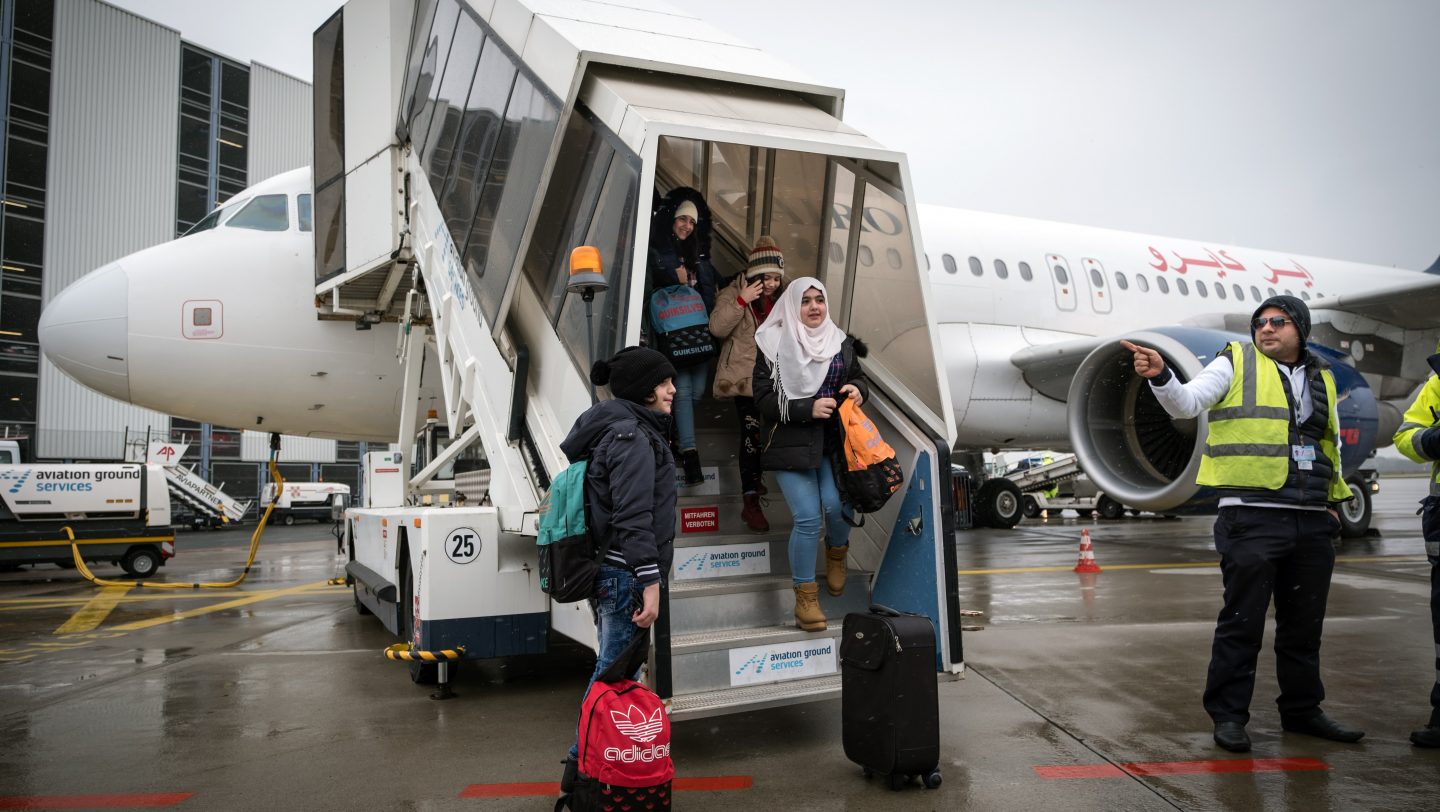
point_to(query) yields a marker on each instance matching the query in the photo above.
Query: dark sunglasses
(1275, 321)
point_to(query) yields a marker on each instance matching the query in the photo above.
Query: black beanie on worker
(632, 373)
(1298, 311)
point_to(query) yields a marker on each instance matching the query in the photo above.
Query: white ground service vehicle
(119, 514)
(304, 500)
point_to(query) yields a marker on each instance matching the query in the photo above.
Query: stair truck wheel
(1355, 515)
(141, 562)
(421, 673)
(287, 520)
(1001, 503)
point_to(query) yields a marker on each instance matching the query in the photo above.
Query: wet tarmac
(1083, 692)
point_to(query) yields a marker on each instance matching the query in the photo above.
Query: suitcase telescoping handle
(885, 611)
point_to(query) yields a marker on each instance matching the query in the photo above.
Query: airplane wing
(1048, 368)
(1413, 305)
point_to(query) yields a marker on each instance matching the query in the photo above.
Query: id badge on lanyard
(1304, 456)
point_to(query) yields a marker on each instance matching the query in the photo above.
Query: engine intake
(1125, 441)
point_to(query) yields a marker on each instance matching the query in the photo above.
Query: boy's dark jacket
(630, 484)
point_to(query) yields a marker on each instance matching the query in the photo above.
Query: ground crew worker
(1273, 453)
(1419, 439)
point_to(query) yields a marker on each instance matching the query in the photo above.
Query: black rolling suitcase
(890, 709)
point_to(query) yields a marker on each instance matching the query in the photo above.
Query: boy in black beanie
(629, 496)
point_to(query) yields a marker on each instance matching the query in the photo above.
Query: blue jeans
(617, 596)
(813, 498)
(689, 389)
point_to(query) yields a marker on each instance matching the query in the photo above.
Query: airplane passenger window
(304, 210)
(1220, 290)
(1304, 295)
(264, 213)
(975, 267)
(1000, 269)
(1254, 293)
(1183, 287)
(837, 255)
(1121, 282)
(1142, 283)
(1025, 272)
(1271, 291)
(927, 261)
(1239, 292)
(949, 263)
(1162, 284)
(1288, 293)
(1201, 289)
(892, 257)
(1096, 279)
(1060, 275)
(867, 257)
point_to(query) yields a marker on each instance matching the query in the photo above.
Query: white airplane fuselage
(220, 325)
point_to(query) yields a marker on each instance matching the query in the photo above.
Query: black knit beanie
(1298, 311)
(633, 373)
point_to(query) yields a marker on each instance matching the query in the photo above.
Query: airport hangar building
(119, 134)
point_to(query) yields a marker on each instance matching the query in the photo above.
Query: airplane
(1030, 313)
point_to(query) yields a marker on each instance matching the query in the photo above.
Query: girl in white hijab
(805, 366)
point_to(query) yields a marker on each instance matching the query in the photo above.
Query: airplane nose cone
(84, 331)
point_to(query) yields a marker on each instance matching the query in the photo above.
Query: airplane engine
(1135, 452)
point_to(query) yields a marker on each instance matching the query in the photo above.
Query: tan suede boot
(835, 569)
(807, 608)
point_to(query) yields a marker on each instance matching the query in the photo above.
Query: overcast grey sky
(1300, 125)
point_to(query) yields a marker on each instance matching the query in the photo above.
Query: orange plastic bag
(864, 446)
(872, 474)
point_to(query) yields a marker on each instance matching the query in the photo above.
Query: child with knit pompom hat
(739, 309)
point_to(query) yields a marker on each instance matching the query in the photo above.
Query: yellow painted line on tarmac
(217, 607)
(94, 612)
(1343, 559)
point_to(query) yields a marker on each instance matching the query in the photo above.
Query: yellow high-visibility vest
(1249, 441)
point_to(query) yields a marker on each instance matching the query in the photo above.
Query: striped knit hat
(765, 258)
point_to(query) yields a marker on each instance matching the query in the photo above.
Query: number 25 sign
(462, 545)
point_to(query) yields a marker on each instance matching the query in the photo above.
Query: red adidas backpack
(625, 735)
(624, 742)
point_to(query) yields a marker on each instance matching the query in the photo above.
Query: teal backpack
(569, 562)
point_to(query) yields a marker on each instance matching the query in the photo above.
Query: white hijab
(800, 355)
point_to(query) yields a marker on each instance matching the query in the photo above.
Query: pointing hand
(1148, 362)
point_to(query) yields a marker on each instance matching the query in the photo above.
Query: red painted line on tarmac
(146, 800)
(710, 783)
(1235, 765)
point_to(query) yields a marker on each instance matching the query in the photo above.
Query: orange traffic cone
(1087, 555)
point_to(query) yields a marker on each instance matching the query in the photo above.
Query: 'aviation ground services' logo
(17, 478)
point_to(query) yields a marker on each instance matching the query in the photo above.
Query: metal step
(753, 697)
(752, 602)
(705, 661)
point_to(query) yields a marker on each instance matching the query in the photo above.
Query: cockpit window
(264, 213)
(208, 222)
(303, 204)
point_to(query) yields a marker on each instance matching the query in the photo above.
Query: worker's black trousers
(1263, 552)
(1433, 550)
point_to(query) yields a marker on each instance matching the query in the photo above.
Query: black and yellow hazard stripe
(402, 651)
